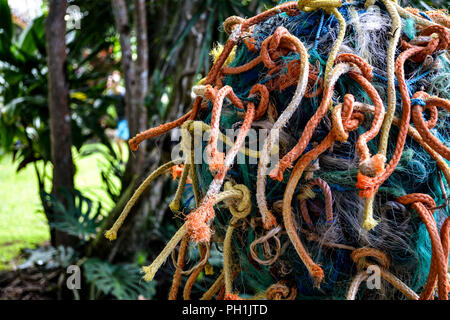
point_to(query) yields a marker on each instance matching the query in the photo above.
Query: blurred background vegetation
(135, 61)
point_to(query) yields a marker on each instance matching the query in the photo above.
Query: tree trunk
(136, 232)
(140, 20)
(120, 11)
(60, 118)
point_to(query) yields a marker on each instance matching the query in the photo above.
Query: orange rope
(328, 201)
(424, 127)
(177, 276)
(423, 204)
(291, 156)
(369, 185)
(314, 270)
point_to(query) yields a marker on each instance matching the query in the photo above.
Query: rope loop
(359, 255)
(231, 23)
(239, 208)
(281, 291)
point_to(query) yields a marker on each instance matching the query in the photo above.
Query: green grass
(22, 222)
(21, 225)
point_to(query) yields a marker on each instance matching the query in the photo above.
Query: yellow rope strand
(208, 295)
(111, 234)
(369, 222)
(239, 211)
(162, 257)
(229, 193)
(337, 44)
(329, 6)
(190, 126)
(176, 202)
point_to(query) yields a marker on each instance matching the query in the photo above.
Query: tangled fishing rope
(355, 98)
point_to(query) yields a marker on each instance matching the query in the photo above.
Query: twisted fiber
(269, 220)
(391, 93)
(236, 193)
(215, 157)
(439, 16)
(337, 125)
(192, 171)
(359, 255)
(151, 270)
(159, 130)
(315, 271)
(338, 117)
(354, 285)
(281, 291)
(363, 66)
(111, 234)
(204, 252)
(443, 34)
(430, 104)
(428, 49)
(212, 75)
(233, 194)
(361, 144)
(428, 203)
(239, 211)
(305, 214)
(329, 6)
(243, 68)
(264, 239)
(297, 150)
(182, 232)
(434, 45)
(314, 237)
(423, 128)
(198, 220)
(264, 101)
(221, 293)
(288, 7)
(176, 202)
(441, 163)
(328, 201)
(217, 66)
(232, 296)
(211, 292)
(191, 127)
(231, 22)
(279, 40)
(419, 20)
(398, 284)
(313, 80)
(180, 264)
(444, 235)
(202, 262)
(422, 204)
(341, 68)
(290, 78)
(386, 275)
(370, 165)
(369, 185)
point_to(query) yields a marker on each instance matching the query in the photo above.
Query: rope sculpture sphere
(354, 98)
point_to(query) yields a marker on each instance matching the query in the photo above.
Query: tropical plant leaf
(77, 217)
(123, 281)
